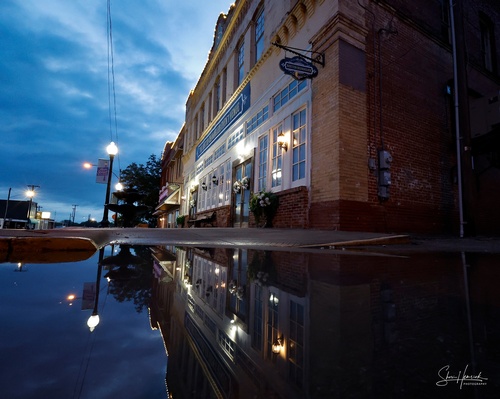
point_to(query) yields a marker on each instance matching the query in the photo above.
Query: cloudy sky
(54, 99)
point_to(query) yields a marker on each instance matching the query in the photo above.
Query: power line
(111, 82)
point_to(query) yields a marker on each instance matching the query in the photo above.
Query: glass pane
(302, 152)
(295, 172)
(302, 170)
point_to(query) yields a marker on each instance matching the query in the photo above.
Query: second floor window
(487, 43)
(202, 119)
(217, 97)
(259, 35)
(241, 63)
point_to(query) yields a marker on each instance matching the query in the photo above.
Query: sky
(58, 109)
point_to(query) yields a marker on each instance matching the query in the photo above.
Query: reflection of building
(369, 143)
(348, 326)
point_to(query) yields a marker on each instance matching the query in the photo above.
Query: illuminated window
(263, 148)
(299, 145)
(276, 158)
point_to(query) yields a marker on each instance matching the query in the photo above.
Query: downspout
(457, 120)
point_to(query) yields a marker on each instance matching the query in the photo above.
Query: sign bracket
(320, 57)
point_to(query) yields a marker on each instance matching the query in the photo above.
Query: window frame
(299, 145)
(240, 63)
(259, 29)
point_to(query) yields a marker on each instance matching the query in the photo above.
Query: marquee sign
(299, 68)
(237, 109)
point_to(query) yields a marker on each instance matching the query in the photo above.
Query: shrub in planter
(264, 203)
(180, 220)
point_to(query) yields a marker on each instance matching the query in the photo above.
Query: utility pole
(73, 214)
(6, 209)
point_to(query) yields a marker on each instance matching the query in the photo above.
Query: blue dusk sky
(56, 111)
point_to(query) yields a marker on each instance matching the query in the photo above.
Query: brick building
(368, 141)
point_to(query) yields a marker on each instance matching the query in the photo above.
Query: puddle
(235, 323)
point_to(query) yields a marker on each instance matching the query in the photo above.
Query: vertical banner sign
(102, 171)
(89, 293)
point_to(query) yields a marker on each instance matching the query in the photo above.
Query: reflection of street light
(112, 150)
(20, 268)
(93, 320)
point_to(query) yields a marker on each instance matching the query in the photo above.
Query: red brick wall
(293, 210)
(222, 216)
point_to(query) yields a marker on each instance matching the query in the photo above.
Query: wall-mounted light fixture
(277, 345)
(204, 186)
(215, 180)
(282, 141)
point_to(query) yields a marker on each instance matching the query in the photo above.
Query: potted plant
(180, 220)
(264, 203)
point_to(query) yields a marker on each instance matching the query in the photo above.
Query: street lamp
(112, 150)
(30, 193)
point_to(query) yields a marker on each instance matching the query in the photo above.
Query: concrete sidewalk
(218, 237)
(278, 239)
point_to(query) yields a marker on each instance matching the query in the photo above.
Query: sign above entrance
(234, 112)
(299, 68)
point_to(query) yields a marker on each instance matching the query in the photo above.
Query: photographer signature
(461, 378)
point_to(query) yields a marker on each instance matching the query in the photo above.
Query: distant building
(347, 112)
(14, 214)
(170, 198)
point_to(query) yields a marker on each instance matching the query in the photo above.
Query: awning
(170, 203)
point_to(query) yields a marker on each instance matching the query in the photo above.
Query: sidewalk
(278, 239)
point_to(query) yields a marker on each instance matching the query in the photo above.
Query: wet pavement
(262, 238)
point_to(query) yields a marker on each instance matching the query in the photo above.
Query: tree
(146, 180)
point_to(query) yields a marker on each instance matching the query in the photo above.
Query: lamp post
(93, 320)
(112, 150)
(30, 193)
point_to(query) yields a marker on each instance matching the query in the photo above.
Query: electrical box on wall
(384, 159)
(384, 174)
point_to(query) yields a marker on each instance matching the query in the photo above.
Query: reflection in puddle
(79, 330)
(258, 324)
(240, 323)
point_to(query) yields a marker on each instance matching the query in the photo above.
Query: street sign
(102, 171)
(298, 67)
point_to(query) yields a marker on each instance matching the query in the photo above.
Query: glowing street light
(30, 193)
(112, 150)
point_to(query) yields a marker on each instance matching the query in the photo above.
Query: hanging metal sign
(298, 67)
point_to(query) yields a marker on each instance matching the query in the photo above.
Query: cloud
(59, 87)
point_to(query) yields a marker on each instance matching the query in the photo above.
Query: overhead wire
(111, 80)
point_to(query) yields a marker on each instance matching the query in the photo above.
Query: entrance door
(242, 196)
